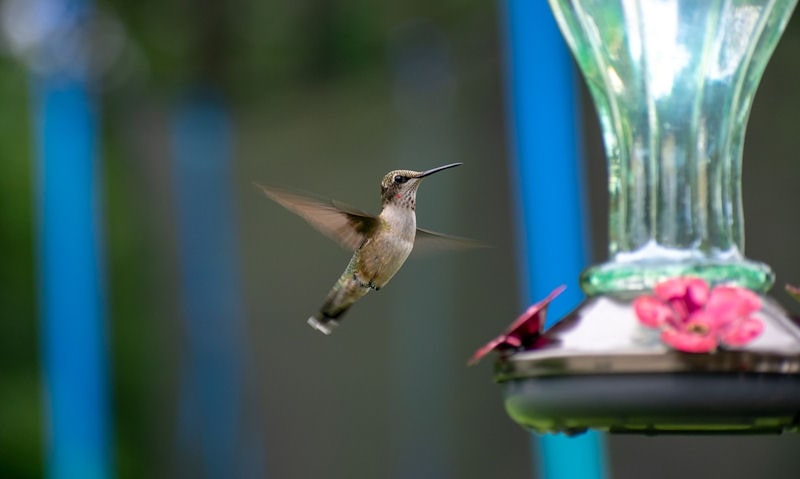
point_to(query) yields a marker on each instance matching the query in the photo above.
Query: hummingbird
(381, 243)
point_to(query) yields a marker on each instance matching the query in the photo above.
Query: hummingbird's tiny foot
(325, 328)
(369, 284)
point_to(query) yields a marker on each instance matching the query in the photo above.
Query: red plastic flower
(696, 319)
(523, 332)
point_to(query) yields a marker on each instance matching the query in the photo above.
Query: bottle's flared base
(634, 276)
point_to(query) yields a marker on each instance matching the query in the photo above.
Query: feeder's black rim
(668, 403)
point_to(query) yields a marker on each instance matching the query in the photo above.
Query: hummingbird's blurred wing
(343, 224)
(427, 241)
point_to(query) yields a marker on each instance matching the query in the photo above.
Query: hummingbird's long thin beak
(438, 169)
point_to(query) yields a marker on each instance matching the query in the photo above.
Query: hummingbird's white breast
(383, 254)
(401, 220)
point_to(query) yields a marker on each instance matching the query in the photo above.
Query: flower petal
(523, 332)
(484, 350)
(692, 291)
(742, 332)
(793, 291)
(531, 322)
(697, 291)
(652, 312)
(731, 303)
(688, 342)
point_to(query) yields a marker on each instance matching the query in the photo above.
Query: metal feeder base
(600, 369)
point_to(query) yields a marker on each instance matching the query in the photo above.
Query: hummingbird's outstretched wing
(343, 224)
(427, 241)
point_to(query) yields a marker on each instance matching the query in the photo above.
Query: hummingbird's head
(400, 186)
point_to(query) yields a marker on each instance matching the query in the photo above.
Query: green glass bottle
(673, 82)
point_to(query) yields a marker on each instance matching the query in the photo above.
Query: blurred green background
(321, 101)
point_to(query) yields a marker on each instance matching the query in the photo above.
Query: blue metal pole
(71, 281)
(213, 381)
(547, 172)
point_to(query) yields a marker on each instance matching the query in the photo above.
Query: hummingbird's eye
(400, 179)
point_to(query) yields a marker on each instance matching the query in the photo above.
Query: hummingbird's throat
(406, 201)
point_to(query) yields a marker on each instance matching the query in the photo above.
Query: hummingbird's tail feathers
(325, 326)
(337, 303)
(328, 317)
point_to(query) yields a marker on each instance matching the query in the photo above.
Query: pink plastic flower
(523, 333)
(695, 319)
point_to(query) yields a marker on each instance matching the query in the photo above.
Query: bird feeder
(677, 334)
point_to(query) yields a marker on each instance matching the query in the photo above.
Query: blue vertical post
(550, 200)
(70, 261)
(212, 391)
